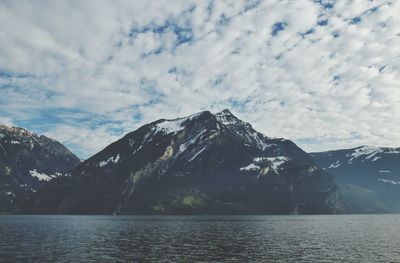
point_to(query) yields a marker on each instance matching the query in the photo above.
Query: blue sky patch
(325, 4)
(356, 20)
(277, 27)
(323, 22)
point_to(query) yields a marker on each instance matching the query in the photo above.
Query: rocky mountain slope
(368, 177)
(27, 161)
(203, 163)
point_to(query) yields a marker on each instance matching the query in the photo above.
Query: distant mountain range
(27, 161)
(368, 177)
(203, 163)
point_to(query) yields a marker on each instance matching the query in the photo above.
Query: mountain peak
(27, 161)
(227, 118)
(15, 130)
(172, 125)
(202, 163)
(225, 111)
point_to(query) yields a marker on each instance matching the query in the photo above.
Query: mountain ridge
(202, 163)
(368, 177)
(27, 161)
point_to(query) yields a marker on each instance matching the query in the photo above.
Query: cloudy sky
(325, 74)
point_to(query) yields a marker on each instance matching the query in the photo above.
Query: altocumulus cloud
(325, 74)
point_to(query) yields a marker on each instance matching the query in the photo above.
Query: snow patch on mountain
(277, 162)
(376, 158)
(169, 126)
(182, 148)
(363, 154)
(392, 151)
(197, 154)
(371, 151)
(174, 126)
(113, 159)
(261, 144)
(386, 181)
(368, 151)
(190, 142)
(40, 176)
(250, 167)
(334, 165)
(7, 193)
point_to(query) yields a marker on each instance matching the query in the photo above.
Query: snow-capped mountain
(203, 163)
(27, 161)
(368, 176)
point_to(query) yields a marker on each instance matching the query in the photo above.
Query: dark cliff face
(27, 161)
(204, 163)
(368, 177)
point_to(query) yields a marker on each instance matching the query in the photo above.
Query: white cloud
(329, 78)
(83, 139)
(6, 121)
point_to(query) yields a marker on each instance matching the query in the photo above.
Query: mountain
(203, 163)
(27, 161)
(368, 177)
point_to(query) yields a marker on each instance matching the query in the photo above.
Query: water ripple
(344, 238)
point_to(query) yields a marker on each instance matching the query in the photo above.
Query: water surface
(343, 238)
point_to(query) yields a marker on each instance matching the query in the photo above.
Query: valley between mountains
(205, 163)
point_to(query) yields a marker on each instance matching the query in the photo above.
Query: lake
(325, 238)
